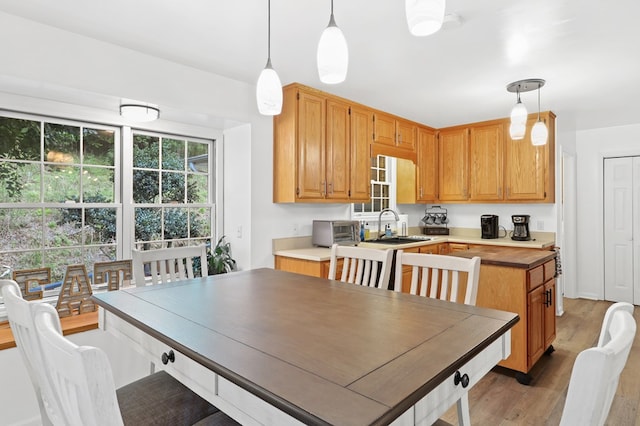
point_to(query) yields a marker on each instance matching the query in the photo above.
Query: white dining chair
(167, 264)
(81, 378)
(19, 313)
(596, 371)
(438, 276)
(363, 266)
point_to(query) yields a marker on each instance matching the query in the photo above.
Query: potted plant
(219, 258)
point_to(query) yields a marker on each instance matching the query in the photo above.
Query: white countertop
(301, 248)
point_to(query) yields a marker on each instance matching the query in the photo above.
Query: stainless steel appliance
(520, 227)
(489, 226)
(327, 232)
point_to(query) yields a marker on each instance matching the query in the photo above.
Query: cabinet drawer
(439, 400)
(535, 277)
(549, 270)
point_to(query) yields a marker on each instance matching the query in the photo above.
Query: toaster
(325, 233)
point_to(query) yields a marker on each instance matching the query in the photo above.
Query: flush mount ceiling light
(519, 114)
(424, 17)
(333, 53)
(139, 112)
(269, 87)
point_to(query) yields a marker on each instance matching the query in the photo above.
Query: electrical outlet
(239, 232)
(294, 229)
(540, 225)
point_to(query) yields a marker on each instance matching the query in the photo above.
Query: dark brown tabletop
(322, 351)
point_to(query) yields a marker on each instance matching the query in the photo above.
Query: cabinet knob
(461, 379)
(166, 357)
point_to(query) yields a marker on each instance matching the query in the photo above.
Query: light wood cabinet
(529, 169)
(426, 165)
(530, 294)
(393, 136)
(486, 151)
(320, 154)
(453, 247)
(453, 165)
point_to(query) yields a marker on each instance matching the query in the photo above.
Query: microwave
(325, 233)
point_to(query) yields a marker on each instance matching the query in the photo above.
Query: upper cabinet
(426, 165)
(323, 145)
(529, 169)
(393, 136)
(319, 153)
(453, 165)
(479, 162)
(486, 148)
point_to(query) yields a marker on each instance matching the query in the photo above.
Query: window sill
(70, 325)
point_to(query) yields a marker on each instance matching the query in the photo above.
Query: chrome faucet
(381, 234)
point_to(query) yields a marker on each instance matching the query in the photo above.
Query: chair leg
(463, 410)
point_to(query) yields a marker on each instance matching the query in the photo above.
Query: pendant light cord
(269, 30)
(538, 102)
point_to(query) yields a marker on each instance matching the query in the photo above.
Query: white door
(618, 229)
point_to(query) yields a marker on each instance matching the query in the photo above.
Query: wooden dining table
(274, 347)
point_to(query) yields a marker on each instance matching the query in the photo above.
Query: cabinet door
(453, 247)
(427, 166)
(311, 146)
(453, 169)
(406, 135)
(361, 136)
(384, 129)
(485, 158)
(535, 325)
(338, 156)
(526, 165)
(550, 313)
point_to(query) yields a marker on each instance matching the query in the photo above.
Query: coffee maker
(489, 226)
(520, 227)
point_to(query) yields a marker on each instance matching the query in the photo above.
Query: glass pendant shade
(518, 121)
(424, 17)
(269, 91)
(333, 54)
(539, 133)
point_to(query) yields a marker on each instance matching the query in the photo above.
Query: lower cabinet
(305, 267)
(531, 294)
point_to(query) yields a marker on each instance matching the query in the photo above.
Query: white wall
(592, 147)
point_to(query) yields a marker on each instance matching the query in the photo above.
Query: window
(171, 191)
(63, 186)
(58, 197)
(382, 189)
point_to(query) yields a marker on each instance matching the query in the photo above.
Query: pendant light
(269, 87)
(424, 17)
(333, 53)
(539, 132)
(518, 126)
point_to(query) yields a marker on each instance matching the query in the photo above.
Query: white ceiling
(586, 50)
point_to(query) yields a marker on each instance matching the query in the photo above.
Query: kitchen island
(521, 281)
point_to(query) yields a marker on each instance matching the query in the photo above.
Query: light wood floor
(498, 399)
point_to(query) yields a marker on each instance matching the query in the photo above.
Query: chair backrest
(80, 376)
(114, 273)
(364, 266)
(438, 276)
(20, 316)
(167, 264)
(605, 332)
(596, 371)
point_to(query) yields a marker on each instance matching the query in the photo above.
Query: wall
(592, 147)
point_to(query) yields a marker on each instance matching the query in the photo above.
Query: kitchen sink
(398, 240)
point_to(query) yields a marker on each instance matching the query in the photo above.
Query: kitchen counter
(301, 247)
(508, 256)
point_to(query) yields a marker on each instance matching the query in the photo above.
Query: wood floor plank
(498, 399)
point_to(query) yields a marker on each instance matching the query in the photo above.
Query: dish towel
(558, 263)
